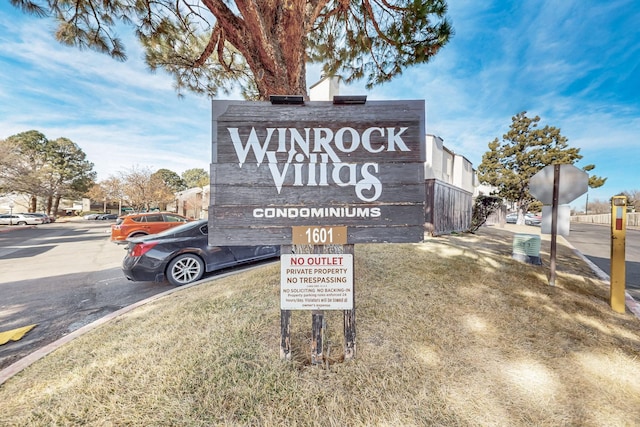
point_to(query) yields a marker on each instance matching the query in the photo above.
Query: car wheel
(21, 223)
(185, 269)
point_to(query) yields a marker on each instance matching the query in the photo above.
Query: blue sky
(574, 63)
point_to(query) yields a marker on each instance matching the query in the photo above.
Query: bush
(483, 207)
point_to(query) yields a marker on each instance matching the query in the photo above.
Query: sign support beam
(554, 224)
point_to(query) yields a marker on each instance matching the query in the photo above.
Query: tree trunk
(56, 205)
(276, 60)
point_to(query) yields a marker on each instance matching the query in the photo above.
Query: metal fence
(633, 219)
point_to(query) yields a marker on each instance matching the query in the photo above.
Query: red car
(141, 224)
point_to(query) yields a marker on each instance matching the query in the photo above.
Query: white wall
(447, 166)
(463, 173)
(433, 167)
(325, 89)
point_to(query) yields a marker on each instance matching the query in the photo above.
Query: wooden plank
(285, 323)
(228, 236)
(324, 111)
(447, 208)
(391, 173)
(317, 342)
(349, 316)
(258, 195)
(285, 334)
(342, 141)
(365, 215)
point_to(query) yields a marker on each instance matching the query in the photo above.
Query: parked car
(105, 217)
(93, 216)
(529, 219)
(532, 219)
(142, 224)
(20, 219)
(182, 255)
(46, 219)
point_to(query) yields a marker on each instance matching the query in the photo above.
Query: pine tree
(525, 150)
(262, 46)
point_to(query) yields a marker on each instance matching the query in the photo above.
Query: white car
(46, 219)
(19, 219)
(512, 218)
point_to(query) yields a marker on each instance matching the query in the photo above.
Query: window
(173, 218)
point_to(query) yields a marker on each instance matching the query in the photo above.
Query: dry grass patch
(449, 332)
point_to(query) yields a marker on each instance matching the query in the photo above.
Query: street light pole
(11, 213)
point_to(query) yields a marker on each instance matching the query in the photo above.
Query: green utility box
(526, 248)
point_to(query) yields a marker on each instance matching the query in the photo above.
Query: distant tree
(98, 193)
(144, 190)
(114, 189)
(164, 183)
(44, 169)
(9, 158)
(110, 190)
(261, 46)
(22, 165)
(524, 151)
(71, 175)
(594, 182)
(633, 199)
(171, 179)
(599, 207)
(137, 191)
(196, 177)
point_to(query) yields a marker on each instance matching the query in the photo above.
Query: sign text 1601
(304, 235)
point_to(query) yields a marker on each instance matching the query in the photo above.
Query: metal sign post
(557, 185)
(554, 224)
(618, 235)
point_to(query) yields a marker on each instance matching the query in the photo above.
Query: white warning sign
(316, 282)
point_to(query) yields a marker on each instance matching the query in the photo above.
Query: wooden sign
(278, 167)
